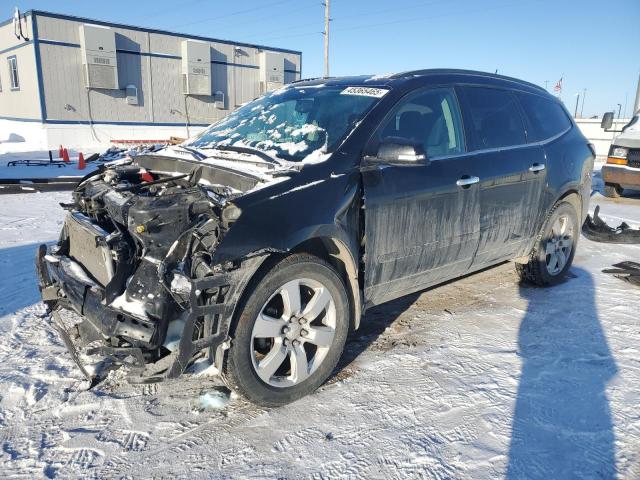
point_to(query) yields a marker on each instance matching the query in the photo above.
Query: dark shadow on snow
(562, 425)
(18, 288)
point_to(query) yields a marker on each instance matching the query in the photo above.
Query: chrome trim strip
(500, 149)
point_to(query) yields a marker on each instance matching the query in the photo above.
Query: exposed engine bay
(134, 262)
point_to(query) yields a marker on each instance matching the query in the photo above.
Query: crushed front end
(134, 267)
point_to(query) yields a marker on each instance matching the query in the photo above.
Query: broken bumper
(65, 285)
(596, 229)
(621, 175)
(64, 282)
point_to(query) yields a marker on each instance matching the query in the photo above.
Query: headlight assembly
(230, 214)
(617, 155)
(619, 152)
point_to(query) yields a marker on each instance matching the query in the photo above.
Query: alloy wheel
(293, 332)
(559, 245)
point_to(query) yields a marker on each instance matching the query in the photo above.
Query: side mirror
(400, 152)
(607, 121)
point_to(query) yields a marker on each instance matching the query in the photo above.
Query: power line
(403, 20)
(286, 14)
(163, 11)
(261, 34)
(237, 12)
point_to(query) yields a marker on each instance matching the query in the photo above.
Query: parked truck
(622, 170)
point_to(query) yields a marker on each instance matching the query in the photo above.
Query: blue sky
(592, 44)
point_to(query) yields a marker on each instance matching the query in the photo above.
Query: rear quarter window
(492, 118)
(546, 118)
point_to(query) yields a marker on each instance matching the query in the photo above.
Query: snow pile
(134, 307)
(216, 399)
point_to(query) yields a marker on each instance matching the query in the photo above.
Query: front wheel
(290, 331)
(554, 249)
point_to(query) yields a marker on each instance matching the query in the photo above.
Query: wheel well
(574, 199)
(337, 255)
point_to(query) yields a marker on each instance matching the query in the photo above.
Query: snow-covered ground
(481, 378)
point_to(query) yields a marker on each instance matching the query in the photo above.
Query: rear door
(512, 172)
(421, 221)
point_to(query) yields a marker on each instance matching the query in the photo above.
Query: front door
(421, 221)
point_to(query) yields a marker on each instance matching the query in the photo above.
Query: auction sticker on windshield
(365, 91)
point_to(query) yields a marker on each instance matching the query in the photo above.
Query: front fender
(296, 212)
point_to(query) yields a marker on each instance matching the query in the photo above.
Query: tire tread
(531, 271)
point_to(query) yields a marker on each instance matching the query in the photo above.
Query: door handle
(536, 167)
(466, 181)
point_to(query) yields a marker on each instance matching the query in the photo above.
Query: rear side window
(492, 118)
(428, 117)
(546, 117)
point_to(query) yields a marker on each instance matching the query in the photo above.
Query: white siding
(154, 68)
(24, 102)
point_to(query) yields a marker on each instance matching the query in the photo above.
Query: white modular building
(80, 82)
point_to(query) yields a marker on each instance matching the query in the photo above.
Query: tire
(268, 325)
(543, 268)
(612, 190)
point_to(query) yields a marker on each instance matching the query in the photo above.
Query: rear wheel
(612, 190)
(290, 332)
(554, 249)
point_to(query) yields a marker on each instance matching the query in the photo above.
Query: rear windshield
(546, 117)
(294, 122)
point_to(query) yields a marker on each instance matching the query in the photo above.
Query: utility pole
(584, 94)
(636, 104)
(575, 113)
(546, 85)
(326, 37)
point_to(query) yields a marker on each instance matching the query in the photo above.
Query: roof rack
(435, 71)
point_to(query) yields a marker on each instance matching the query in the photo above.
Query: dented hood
(233, 174)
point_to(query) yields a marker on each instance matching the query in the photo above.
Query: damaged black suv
(258, 245)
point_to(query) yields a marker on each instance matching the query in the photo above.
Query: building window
(13, 73)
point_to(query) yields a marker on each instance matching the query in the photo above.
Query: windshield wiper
(248, 150)
(199, 155)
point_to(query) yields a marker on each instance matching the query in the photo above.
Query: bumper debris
(596, 229)
(627, 271)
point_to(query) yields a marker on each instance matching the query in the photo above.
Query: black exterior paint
(399, 229)
(420, 227)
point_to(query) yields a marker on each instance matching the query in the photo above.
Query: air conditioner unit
(271, 71)
(99, 61)
(196, 68)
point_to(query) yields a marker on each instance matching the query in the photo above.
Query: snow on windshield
(293, 124)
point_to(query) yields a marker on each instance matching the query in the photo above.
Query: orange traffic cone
(65, 156)
(60, 152)
(81, 162)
